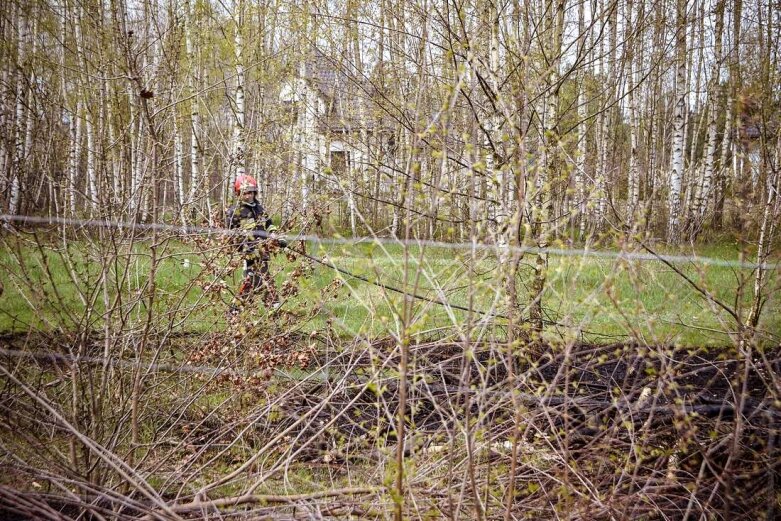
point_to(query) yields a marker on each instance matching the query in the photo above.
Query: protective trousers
(257, 279)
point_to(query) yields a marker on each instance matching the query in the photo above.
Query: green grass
(606, 297)
(51, 287)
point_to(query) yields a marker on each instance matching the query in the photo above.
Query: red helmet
(245, 183)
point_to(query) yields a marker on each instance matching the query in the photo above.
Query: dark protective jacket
(249, 217)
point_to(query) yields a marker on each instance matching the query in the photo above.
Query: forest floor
(596, 431)
(126, 390)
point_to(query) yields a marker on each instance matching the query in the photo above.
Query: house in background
(345, 147)
(333, 137)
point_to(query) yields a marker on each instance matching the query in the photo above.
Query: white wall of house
(314, 150)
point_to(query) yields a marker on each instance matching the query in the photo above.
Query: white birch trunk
(695, 182)
(112, 155)
(633, 185)
(151, 77)
(133, 140)
(30, 113)
(726, 142)
(92, 184)
(310, 145)
(28, 136)
(69, 194)
(19, 126)
(550, 167)
(7, 108)
(239, 138)
(114, 158)
(195, 153)
(193, 84)
(16, 173)
(3, 169)
(714, 94)
(676, 170)
(74, 156)
(103, 148)
(136, 156)
(146, 165)
(770, 217)
(580, 160)
(92, 194)
(723, 164)
(497, 211)
(655, 130)
(695, 68)
(351, 197)
(601, 169)
(634, 158)
(179, 168)
(599, 184)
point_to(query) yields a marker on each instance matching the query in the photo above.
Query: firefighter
(249, 216)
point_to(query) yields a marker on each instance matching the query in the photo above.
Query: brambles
(591, 417)
(305, 399)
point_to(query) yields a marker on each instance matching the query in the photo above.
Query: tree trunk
(714, 101)
(179, 168)
(92, 182)
(679, 131)
(722, 178)
(578, 208)
(20, 133)
(770, 218)
(193, 94)
(551, 175)
(239, 134)
(603, 131)
(633, 185)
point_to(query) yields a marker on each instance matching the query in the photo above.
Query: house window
(340, 161)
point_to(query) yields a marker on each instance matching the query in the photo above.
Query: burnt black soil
(684, 423)
(585, 380)
(706, 420)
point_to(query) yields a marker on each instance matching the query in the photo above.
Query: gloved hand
(280, 240)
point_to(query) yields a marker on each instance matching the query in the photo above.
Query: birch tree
(622, 110)
(581, 197)
(550, 168)
(714, 103)
(631, 42)
(238, 157)
(679, 130)
(608, 85)
(723, 180)
(21, 94)
(193, 95)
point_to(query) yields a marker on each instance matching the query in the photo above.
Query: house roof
(323, 73)
(346, 95)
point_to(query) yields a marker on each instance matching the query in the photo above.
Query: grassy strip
(58, 286)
